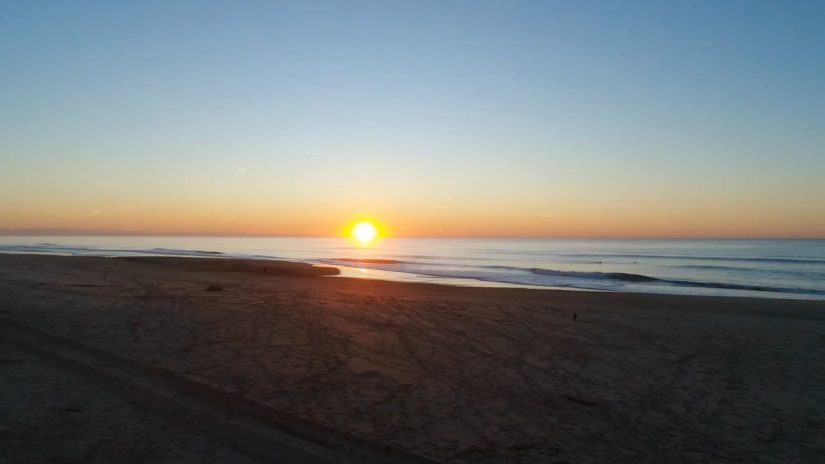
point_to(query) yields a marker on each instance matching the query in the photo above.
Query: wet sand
(355, 370)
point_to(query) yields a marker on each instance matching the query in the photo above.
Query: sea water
(763, 268)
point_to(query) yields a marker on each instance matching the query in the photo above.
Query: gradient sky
(612, 118)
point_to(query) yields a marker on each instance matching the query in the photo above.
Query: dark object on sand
(214, 288)
(575, 317)
(580, 401)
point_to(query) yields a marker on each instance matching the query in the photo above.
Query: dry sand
(52, 414)
(356, 370)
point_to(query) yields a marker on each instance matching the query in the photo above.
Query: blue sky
(579, 118)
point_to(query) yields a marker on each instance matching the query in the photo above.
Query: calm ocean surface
(765, 268)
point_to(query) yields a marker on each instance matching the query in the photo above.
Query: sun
(364, 232)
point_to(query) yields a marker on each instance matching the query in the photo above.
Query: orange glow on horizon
(656, 218)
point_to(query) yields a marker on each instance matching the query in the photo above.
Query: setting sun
(364, 232)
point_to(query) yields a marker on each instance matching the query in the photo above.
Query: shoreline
(438, 372)
(322, 267)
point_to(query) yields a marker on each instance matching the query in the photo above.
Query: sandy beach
(203, 360)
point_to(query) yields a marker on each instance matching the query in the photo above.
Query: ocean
(728, 267)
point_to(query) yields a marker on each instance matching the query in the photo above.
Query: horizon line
(103, 233)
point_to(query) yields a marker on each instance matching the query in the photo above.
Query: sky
(447, 118)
